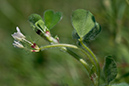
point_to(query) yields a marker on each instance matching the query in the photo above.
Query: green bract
(51, 18)
(83, 21)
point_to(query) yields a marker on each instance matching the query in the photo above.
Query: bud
(57, 38)
(35, 46)
(34, 50)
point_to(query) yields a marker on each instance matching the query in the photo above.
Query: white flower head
(18, 35)
(18, 44)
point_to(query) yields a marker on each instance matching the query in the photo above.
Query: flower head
(18, 35)
(18, 44)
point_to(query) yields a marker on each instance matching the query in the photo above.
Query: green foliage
(93, 33)
(33, 18)
(18, 69)
(83, 21)
(121, 84)
(40, 25)
(51, 18)
(36, 23)
(110, 69)
(85, 25)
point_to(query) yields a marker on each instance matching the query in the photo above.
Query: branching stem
(69, 46)
(93, 55)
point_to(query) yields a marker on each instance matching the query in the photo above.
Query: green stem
(93, 55)
(58, 45)
(70, 46)
(81, 60)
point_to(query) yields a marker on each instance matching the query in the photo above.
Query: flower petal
(18, 35)
(18, 30)
(18, 44)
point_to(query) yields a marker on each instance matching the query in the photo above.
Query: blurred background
(53, 67)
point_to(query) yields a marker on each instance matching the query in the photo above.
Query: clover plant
(86, 28)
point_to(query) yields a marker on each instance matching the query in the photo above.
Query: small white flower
(18, 35)
(18, 44)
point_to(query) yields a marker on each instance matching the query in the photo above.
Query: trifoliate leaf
(89, 36)
(83, 21)
(51, 18)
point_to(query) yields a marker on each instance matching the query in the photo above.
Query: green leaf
(51, 18)
(41, 26)
(75, 35)
(83, 21)
(37, 24)
(110, 69)
(93, 33)
(33, 18)
(121, 84)
(89, 36)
